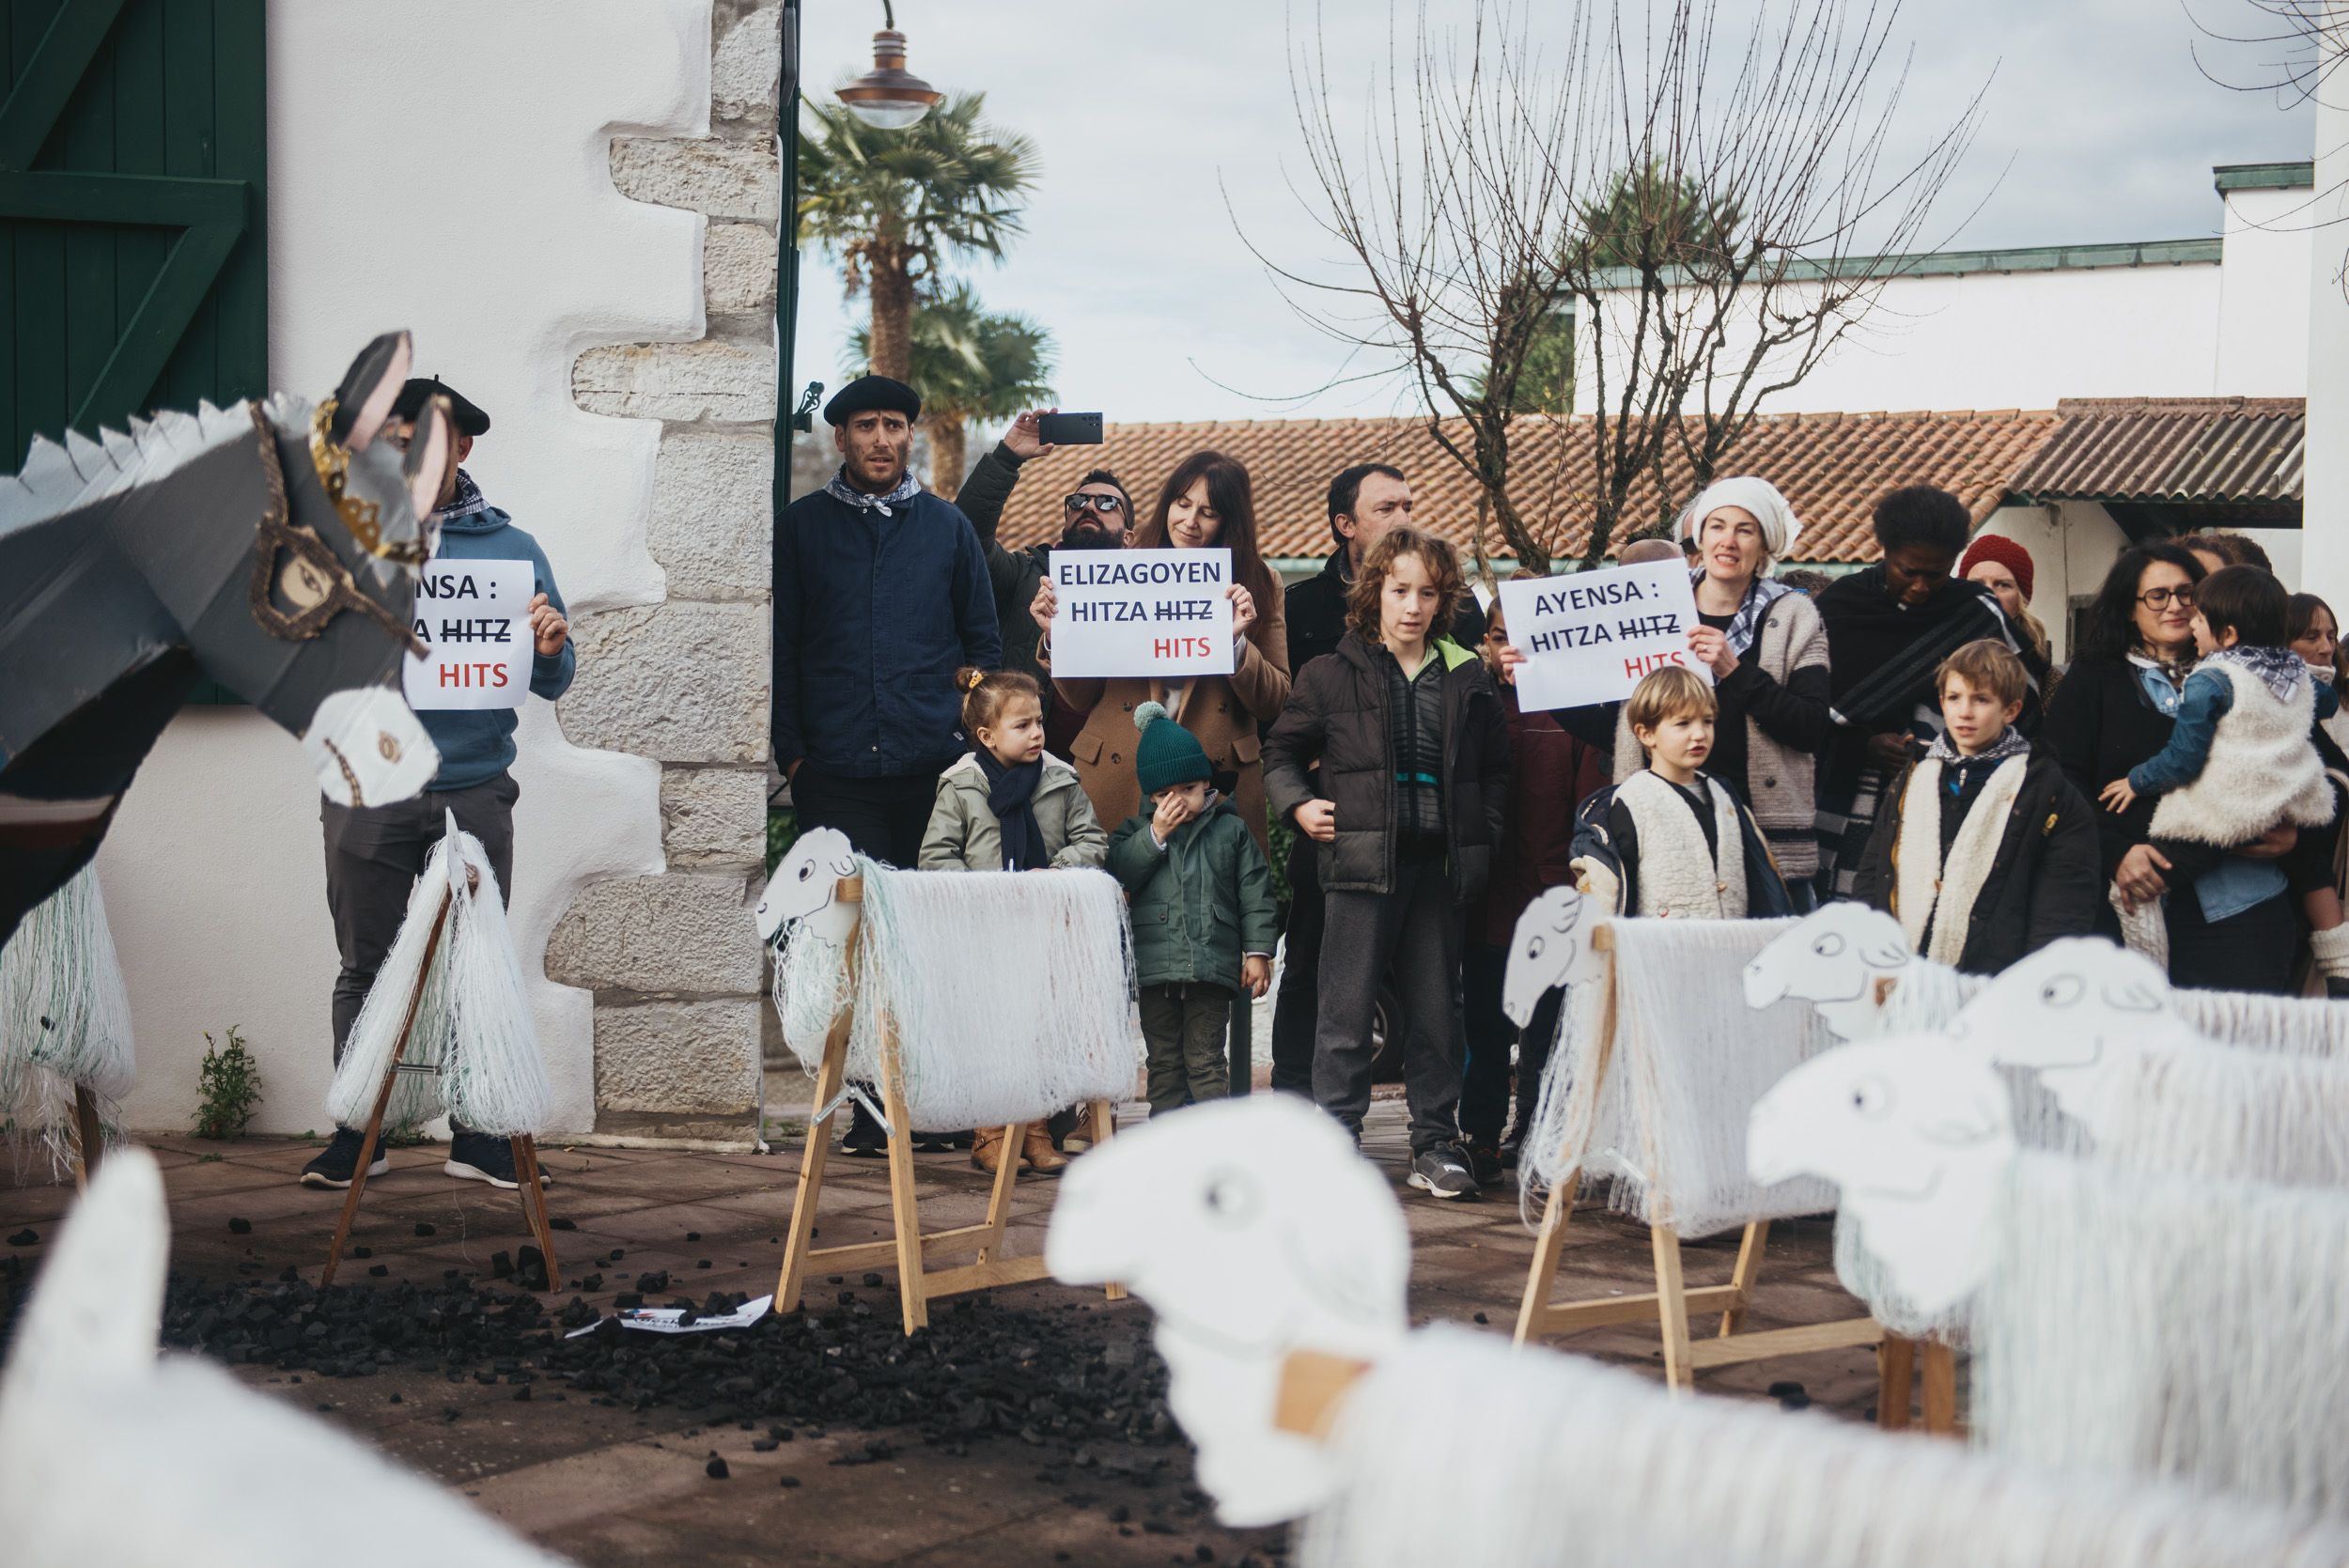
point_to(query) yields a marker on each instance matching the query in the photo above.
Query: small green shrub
(228, 1087)
(783, 828)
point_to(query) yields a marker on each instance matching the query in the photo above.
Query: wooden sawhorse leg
(814, 1156)
(89, 1137)
(534, 1196)
(1896, 1370)
(1939, 1364)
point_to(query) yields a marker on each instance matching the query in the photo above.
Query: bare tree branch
(1695, 181)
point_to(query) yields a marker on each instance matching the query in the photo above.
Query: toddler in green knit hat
(1203, 912)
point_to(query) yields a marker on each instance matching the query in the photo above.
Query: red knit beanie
(1998, 548)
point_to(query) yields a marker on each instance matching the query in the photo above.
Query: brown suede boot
(1045, 1161)
(986, 1149)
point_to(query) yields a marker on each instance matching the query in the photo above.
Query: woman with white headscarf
(1767, 648)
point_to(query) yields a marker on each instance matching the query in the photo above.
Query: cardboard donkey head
(1253, 1228)
(270, 546)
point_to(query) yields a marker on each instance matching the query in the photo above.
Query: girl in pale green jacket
(1007, 806)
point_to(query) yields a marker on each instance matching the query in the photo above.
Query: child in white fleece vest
(2243, 758)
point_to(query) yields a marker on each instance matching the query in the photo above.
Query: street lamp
(889, 97)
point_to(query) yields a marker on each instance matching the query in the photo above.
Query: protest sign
(474, 619)
(1590, 637)
(1153, 612)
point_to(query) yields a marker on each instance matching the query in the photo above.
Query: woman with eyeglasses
(2233, 927)
(1206, 502)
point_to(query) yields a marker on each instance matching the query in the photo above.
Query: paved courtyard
(604, 1483)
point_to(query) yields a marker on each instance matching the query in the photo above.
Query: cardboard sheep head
(367, 747)
(1918, 1133)
(1833, 958)
(1552, 948)
(109, 1454)
(2067, 1012)
(1253, 1228)
(806, 885)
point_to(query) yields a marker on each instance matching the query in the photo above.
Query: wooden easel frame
(89, 1137)
(1673, 1300)
(525, 1148)
(909, 1248)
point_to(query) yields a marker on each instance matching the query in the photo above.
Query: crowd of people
(1898, 733)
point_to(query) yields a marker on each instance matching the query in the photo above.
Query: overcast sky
(2100, 126)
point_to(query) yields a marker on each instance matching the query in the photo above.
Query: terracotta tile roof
(1832, 467)
(2170, 449)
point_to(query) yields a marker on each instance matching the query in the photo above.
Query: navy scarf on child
(1011, 796)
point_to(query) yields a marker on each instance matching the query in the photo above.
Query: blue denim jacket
(2235, 884)
(873, 614)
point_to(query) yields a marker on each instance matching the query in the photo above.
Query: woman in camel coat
(1205, 503)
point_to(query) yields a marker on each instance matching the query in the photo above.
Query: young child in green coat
(1203, 912)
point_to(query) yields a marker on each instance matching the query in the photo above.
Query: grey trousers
(374, 855)
(1417, 928)
(1182, 1026)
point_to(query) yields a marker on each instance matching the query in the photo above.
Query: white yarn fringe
(1665, 1128)
(1011, 992)
(2172, 1325)
(474, 1024)
(1583, 1466)
(64, 1019)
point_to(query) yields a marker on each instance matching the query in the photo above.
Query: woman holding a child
(2227, 923)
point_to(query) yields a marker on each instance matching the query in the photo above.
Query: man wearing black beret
(881, 592)
(374, 853)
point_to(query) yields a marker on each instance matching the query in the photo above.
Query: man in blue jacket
(374, 853)
(881, 592)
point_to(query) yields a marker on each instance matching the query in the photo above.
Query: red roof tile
(1832, 468)
(2194, 450)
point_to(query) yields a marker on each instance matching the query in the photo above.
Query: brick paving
(611, 1486)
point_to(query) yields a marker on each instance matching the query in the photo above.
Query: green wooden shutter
(134, 207)
(134, 271)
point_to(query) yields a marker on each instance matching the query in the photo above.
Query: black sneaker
(339, 1161)
(865, 1139)
(478, 1157)
(1441, 1172)
(1484, 1162)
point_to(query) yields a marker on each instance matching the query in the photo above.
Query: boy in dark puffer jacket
(1203, 917)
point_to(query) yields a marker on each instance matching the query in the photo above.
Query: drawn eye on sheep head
(1882, 1115)
(805, 881)
(1551, 947)
(2065, 1005)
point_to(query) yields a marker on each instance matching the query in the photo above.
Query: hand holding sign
(547, 628)
(1165, 614)
(1592, 636)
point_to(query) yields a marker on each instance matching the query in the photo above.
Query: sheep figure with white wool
(65, 1055)
(2122, 1320)
(1009, 994)
(111, 1456)
(1277, 1259)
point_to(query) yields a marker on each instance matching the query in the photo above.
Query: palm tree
(892, 204)
(968, 363)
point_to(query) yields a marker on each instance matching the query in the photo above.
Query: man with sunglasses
(1097, 514)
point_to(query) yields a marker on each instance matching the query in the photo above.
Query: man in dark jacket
(881, 592)
(1364, 501)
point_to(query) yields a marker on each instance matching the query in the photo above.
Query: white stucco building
(582, 239)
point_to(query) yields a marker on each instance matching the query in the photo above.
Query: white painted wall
(2325, 513)
(487, 224)
(2264, 295)
(2025, 339)
(2013, 340)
